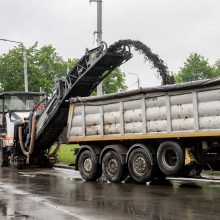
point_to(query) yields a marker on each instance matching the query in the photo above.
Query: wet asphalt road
(62, 194)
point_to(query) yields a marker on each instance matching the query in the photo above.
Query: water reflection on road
(67, 196)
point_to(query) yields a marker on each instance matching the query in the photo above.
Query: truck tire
(88, 168)
(170, 158)
(112, 167)
(140, 165)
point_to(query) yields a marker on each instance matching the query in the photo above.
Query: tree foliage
(11, 68)
(114, 82)
(196, 67)
(45, 65)
(217, 67)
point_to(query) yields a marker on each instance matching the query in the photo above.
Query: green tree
(196, 67)
(217, 67)
(71, 63)
(45, 65)
(115, 82)
(11, 69)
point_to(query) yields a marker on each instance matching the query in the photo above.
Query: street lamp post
(99, 34)
(24, 60)
(138, 79)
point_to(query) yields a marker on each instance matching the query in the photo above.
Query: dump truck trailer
(170, 130)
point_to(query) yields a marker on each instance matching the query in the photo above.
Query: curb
(64, 166)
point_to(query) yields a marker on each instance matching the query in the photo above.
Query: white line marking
(194, 179)
(41, 200)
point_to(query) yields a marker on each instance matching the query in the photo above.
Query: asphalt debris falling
(154, 58)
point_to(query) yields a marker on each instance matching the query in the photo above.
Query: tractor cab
(15, 106)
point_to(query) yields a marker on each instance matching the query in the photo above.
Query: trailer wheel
(112, 167)
(171, 158)
(88, 168)
(140, 165)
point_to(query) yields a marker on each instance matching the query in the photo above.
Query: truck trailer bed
(172, 111)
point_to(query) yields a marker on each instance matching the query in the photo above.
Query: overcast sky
(172, 28)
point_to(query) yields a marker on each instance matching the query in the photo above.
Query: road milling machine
(26, 139)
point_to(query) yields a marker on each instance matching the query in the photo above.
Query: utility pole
(67, 70)
(99, 22)
(25, 69)
(99, 34)
(24, 60)
(138, 79)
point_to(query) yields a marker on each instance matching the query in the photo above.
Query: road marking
(41, 200)
(54, 206)
(194, 179)
(26, 174)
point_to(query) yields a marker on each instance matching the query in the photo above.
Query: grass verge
(214, 172)
(66, 153)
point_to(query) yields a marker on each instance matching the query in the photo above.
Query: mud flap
(189, 158)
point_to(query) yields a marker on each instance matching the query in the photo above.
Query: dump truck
(170, 130)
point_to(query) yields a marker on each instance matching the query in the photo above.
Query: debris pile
(156, 61)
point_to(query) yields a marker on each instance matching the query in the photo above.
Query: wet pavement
(62, 194)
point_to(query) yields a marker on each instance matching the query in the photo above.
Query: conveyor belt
(91, 69)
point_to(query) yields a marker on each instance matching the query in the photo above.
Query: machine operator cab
(15, 106)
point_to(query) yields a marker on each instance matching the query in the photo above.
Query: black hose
(33, 133)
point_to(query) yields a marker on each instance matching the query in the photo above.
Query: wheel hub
(112, 166)
(139, 165)
(170, 158)
(87, 165)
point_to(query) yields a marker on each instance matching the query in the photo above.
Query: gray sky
(172, 28)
